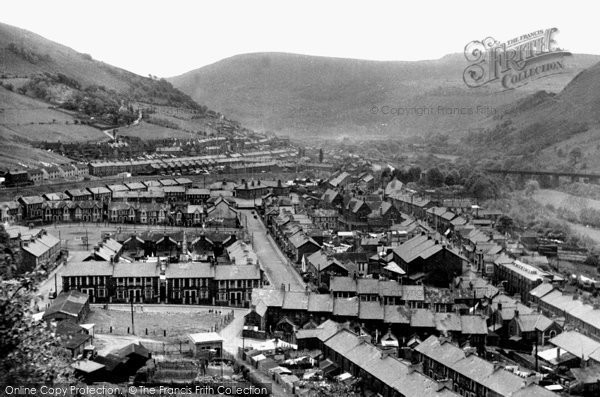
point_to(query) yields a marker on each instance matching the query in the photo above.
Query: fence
(183, 347)
(219, 324)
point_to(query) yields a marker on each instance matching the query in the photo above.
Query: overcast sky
(167, 38)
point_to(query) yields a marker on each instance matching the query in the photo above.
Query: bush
(162, 122)
(592, 260)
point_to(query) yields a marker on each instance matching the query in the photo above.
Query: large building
(41, 249)
(160, 282)
(519, 277)
(381, 372)
(470, 375)
(423, 258)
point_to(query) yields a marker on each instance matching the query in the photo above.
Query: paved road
(278, 268)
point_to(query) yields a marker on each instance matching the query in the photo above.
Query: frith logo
(515, 63)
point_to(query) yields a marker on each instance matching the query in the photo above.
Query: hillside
(329, 97)
(26, 56)
(557, 131)
(51, 93)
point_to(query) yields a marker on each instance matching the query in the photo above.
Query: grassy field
(560, 199)
(151, 131)
(177, 324)
(17, 154)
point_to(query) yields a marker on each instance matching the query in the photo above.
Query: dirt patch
(155, 324)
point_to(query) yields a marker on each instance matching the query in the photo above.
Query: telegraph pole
(132, 323)
(536, 350)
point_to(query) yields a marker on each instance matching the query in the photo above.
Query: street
(277, 266)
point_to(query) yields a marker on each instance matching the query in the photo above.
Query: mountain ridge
(322, 96)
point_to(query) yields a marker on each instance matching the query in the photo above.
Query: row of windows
(238, 283)
(87, 280)
(187, 282)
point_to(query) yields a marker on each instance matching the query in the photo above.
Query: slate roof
(532, 322)
(342, 284)
(136, 269)
(418, 246)
(393, 186)
(473, 325)
(371, 311)
(345, 307)
(338, 179)
(422, 318)
(190, 270)
(235, 272)
(89, 268)
(271, 297)
(477, 369)
(541, 290)
(390, 371)
(321, 261)
(295, 301)
(578, 345)
(396, 314)
(70, 303)
(300, 239)
(30, 200)
(320, 303)
(445, 322)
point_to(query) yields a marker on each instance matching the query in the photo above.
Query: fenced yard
(162, 323)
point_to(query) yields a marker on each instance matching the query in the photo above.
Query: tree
(531, 186)
(505, 224)
(414, 174)
(481, 186)
(435, 177)
(321, 155)
(575, 155)
(453, 178)
(592, 260)
(29, 351)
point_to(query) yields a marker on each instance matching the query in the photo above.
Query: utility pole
(132, 323)
(536, 350)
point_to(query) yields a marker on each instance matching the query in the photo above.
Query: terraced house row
(216, 213)
(89, 204)
(160, 282)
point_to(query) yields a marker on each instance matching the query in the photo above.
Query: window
(101, 293)
(148, 294)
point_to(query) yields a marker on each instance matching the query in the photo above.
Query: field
(17, 155)
(560, 199)
(151, 131)
(155, 320)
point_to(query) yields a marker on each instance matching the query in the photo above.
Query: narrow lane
(277, 266)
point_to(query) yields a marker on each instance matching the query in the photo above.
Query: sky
(168, 38)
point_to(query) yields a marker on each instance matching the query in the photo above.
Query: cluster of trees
(8, 86)
(160, 92)
(28, 54)
(30, 353)
(162, 122)
(516, 140)
(474, 183)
